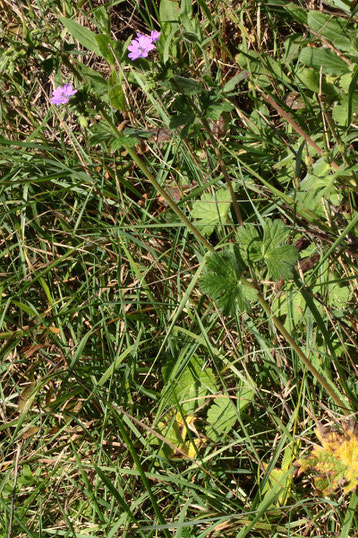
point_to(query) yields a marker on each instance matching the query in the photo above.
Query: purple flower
(142, 45)
(154, 35)
(62, 94)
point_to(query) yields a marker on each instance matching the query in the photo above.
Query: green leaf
(333, 29)
(169, 15)
(190, 389)
(221, 418)
(230, 85)
(312, 80)
(222, 414)
(86, 37)
(186, 16)
(250, 241)
(103, 134)
(187, 86)
(275, 232)
(319, 58)
(103, 42)
(211, 210)
(215, 110)
(102, 19)
(245, 395)
(222, 282)
(280, 260)
(297, 13)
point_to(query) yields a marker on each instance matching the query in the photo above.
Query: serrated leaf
(245, 395)
(222, 414)
(211, 210)
(190, 389)
(221, 418)
(250, 242)
(222, 282)
(104, 135)
(335, 462)
(280, 260)
(275, 232)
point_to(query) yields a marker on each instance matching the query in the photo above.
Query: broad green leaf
(169, 11)
(292, 307)
(280, 260)
(245, 395)
(318, 182)
(222, 414)
(297, 13)
(103, 134)
(103, 42)
(332, 28)
(116, 96)
(102, 19)
(190, 389)
(185, 85)
(250, 241)
(221, 418)
(211, 210)
(348, 106)
(312, 80)
(169, 18)
(318, 58)
(275, 232)
(222, 282)
(86, 37)
(234, 81)
(215, 110)
(186, 16)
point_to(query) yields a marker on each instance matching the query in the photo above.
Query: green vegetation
(178, 268)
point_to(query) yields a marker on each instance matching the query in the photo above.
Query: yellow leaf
(336, 461)
(175, 430)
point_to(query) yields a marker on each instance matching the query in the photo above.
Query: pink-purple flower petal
(142, 45)
(62, 94)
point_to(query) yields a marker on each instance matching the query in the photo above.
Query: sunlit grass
(115, 365)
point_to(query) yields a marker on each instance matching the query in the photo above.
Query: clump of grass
(178, 266)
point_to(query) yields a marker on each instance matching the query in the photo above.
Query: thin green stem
(168, 199)
(305, 360)
(224, 171)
